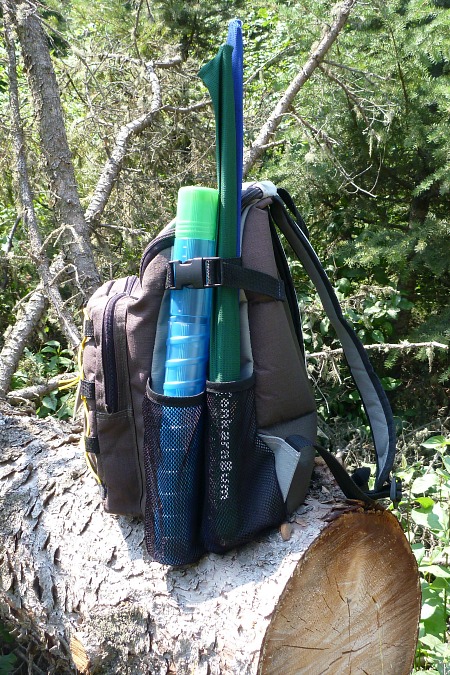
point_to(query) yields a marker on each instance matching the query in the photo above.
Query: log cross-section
(336, 591)
(351, 604)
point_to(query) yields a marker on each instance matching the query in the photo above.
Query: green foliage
(8, 660)
(51, 360)
(425, 515)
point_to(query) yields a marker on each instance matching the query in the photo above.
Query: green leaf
(7, 664)
(378, 336)
(425, 502)
(438, 571)
(436, 519)
(422, 484)
(53, 343)
(434, 442)
(50, 402)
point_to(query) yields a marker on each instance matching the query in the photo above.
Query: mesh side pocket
(242, 492)
(173, 456)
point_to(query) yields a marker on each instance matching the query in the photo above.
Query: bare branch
(113, 166)
(17, 337)
(341, 13)
(380, 347)
(55, 147)
(187, 109)
(350, 94)
(123, 58)
(37, 391)
(268, 63)
(363, 73)
(11, 234)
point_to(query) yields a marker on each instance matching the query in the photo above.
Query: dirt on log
(335, 591)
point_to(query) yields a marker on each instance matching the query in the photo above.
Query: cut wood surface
(335, 591)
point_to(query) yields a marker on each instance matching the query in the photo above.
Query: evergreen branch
(350, 94)
(380, 347)
(341, 13)
(268, 63)
(364, 74)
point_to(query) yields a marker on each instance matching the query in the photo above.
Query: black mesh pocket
(174, 467)
(242, 495)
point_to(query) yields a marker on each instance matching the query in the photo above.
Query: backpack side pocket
(173, 458)
(242, 494)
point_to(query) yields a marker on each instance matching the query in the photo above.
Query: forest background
(103, 118)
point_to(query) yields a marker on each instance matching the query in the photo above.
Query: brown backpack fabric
(211, 471)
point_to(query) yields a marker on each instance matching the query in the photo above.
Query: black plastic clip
(396, 490)
(194, 273)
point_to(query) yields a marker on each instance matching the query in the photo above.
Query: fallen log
(335, 591)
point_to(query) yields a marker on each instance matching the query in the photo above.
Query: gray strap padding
(372, 394)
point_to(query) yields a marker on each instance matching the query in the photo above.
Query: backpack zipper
(108, 347)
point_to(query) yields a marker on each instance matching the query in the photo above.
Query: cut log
(335, 591)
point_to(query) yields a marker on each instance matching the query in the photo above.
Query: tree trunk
(335, 591)
(54, 143)
(17, 337)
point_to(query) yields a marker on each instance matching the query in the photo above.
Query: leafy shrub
(51, 360)
(425, 516)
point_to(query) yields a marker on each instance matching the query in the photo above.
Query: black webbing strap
(91, 445)
(87, 389)
(213, 272)
(355, 488)
(88, 328)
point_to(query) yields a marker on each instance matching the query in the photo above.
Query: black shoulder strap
(373, 397)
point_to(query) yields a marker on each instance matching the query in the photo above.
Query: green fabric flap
(225, 330)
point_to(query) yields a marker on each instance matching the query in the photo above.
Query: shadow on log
(336, 591)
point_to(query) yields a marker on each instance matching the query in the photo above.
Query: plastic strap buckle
(395, 494)
(194, 273)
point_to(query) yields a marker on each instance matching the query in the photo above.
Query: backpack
(209, 472)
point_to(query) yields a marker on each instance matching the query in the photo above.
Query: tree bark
(340, 13)
(18, 336)
(335, 591)
(54, 143)
(114, 164)
(25, 193)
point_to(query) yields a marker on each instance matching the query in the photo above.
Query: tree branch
(350, 94)
(113, 166)
(25, 191)
(17, 337)
(38, 391)
(341, 13)
(380, 347)
(58, 158)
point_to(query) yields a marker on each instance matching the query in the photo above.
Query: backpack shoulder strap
(372, 394)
